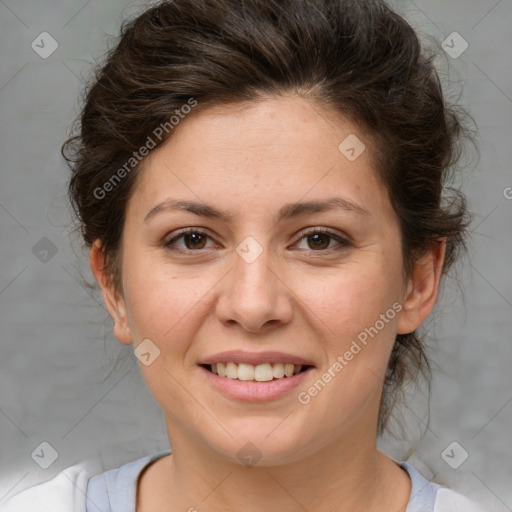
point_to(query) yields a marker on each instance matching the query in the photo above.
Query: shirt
(75, 489)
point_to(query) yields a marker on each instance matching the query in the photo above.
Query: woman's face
(256, 281)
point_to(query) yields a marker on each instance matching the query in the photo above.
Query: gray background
(56, 337)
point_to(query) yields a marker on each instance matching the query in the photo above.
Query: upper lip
(255, 358)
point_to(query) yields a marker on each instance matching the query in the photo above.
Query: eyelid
(343, 241)
(186, 231)
(321, 229)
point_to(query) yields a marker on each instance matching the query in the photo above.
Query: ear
(422, 289)
(113, 299)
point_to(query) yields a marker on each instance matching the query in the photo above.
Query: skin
(298, 297)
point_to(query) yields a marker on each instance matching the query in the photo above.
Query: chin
(260, 446)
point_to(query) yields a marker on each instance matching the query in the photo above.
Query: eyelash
(343, 243)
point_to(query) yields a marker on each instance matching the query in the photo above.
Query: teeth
(245, 371)
(263, 372)
(278, 370)
(232, 371)
(288, 370)
(260, 373)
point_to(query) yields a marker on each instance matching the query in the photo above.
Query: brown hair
(357, 58)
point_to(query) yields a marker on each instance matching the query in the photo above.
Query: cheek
(356, 322)
(165, 307)
(355, 296)
(357, 313)
(154, 300)
(162, 308)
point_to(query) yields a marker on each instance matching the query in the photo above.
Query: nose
(255, 296)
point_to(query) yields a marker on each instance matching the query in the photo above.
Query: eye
(319, 240)
(194, 239)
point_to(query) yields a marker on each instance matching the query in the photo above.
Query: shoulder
(82, 487)
(449, 500)
(116, 488)
(427, 496)
(63, 493)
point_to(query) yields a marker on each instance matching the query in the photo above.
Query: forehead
(280, 149)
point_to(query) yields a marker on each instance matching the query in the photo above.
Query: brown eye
(319, 240)
(193, 240)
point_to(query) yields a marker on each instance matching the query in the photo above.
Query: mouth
(246, 376)
(265, 372)
(260, 383)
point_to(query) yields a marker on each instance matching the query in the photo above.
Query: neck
(345, 475)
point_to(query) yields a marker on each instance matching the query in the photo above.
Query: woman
(260, 184)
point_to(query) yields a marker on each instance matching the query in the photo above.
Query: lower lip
(253, 391)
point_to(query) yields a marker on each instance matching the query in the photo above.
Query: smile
(261, 373)
(270, 387)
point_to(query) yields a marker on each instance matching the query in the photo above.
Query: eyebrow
(288, 211)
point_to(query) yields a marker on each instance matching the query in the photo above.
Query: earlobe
(114, 301)
(422, 289)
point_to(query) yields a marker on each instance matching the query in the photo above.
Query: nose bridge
(253, 276)
(254, 295)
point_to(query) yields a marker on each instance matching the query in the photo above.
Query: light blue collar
(115, 489)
